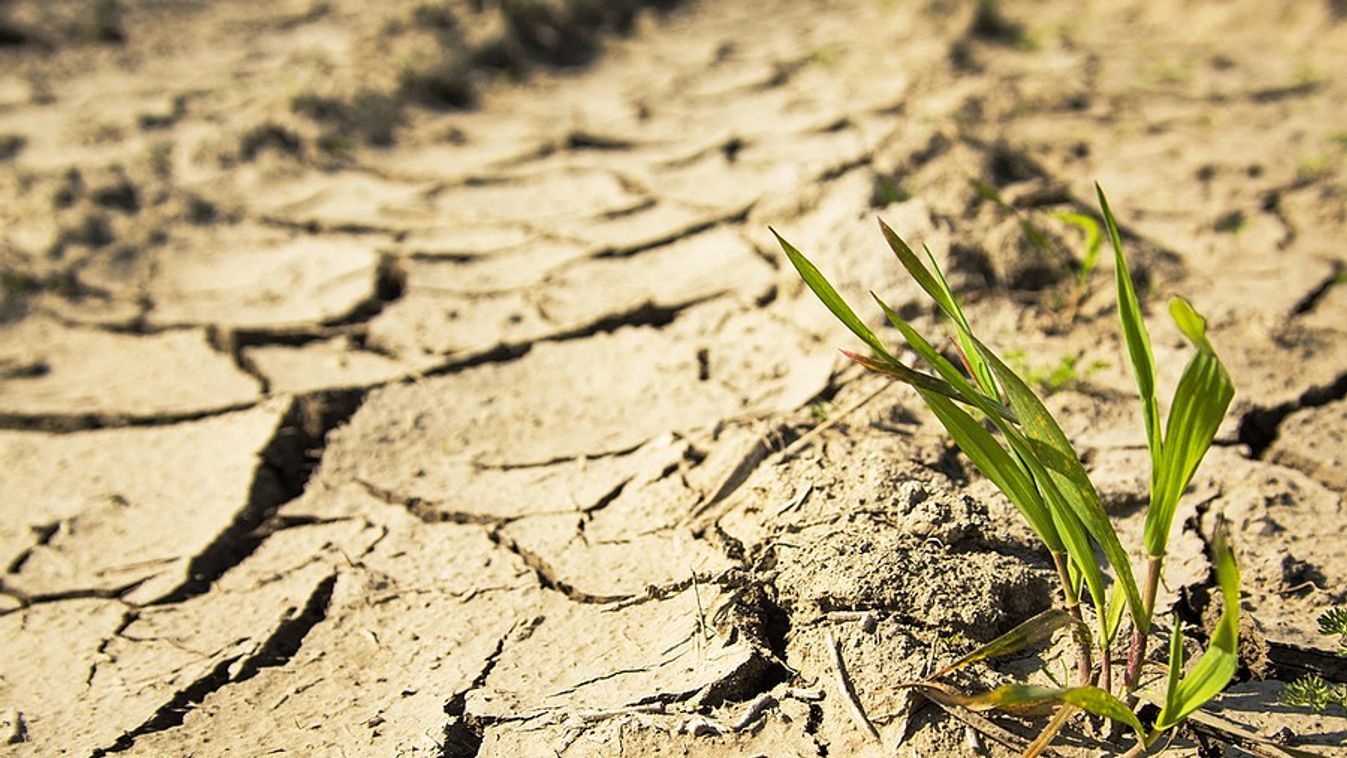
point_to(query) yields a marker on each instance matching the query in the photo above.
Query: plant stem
(1083, 664)
(1106, 671)
(1136, 654)
(1139, 749)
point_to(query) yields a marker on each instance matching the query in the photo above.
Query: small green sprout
(1314, 693)
(887, 191)
(1312, 168)
(1093, 240)
(1005, 430)
(1052, 377)
(825, 56)
(1334, 622)
(1037, 237)
(820, 411)
(1307, 76)
(1231, 223)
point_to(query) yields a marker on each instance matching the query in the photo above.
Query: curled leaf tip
(1189, 321)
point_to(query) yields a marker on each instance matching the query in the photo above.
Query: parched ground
(424, 380)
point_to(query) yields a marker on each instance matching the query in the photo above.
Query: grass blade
(1031, 632)
(1074, 534)
(1138, 339)
(977, 367)
(886, 363)
(963, 389)
(997, 465)
(1049, 445)
(1067, 526)
(1101, 703)
(1016, 697)
(935, 285)
(1217, 665)
(905, 374)
(1046, 508)
(1117, 603)
(1200, 402)
(834, 302)
(1175, 672)
(1093, 240)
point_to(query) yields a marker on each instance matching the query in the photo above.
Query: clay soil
(422, 379)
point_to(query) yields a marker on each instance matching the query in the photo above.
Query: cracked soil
(424, 380)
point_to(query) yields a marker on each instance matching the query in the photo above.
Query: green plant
(1054, 376)
(1037, 237)
(1334, 622)
(1313, 692)
(1027, 456)
(1093, 240)
(1312, 168)
(1231, 223)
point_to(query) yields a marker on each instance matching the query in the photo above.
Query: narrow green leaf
(916, 270)
(1138, 339)
(1074, 535)
(1049, 445)
(1117, 603)
(1093, 241)
(1031, 632)
(834, 302)
(1200, 402)
(964, 390)
(997, 465)
(1217, 665)
(1062, 529)
(1101, 703)
(886, 363)
(977, 366)
(1092, 699)
(1190, 322)
(935, 285)
(1175, 673)
(981, 448)
(904, 374)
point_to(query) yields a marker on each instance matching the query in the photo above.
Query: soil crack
(173, 712)
(67, 423)
(284, 468)
(279, 648)
(463, 732)
(1258, 428)
(427, 511)
(1311, 300)
(547, 576)
(285, 641)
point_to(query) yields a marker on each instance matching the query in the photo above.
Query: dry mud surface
(424, 381)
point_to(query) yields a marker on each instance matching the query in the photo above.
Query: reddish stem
(1136, 653)
(1083, 665)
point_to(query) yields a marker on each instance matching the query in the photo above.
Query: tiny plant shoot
(1024, 452)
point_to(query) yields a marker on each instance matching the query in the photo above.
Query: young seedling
(1024, 452)
(1312, 691)
(1334, 622)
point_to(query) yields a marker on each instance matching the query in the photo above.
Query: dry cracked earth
(425, 381)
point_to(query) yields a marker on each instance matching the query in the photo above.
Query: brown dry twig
(848, 692)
